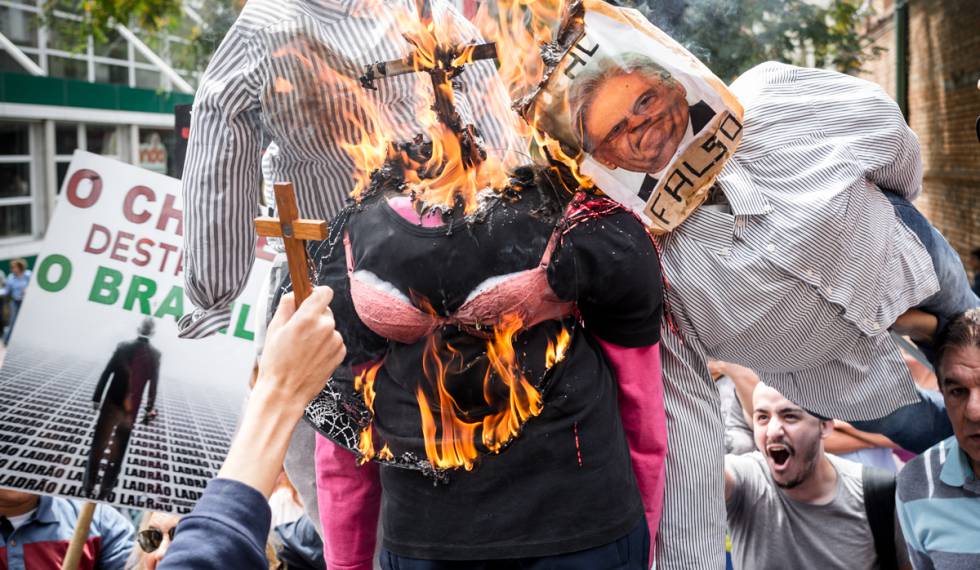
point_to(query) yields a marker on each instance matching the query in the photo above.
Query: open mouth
(779, 454)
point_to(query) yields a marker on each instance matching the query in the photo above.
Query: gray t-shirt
(772, 531)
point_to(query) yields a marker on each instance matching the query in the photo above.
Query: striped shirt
(799, 280)
(275, 73)
(939, 509)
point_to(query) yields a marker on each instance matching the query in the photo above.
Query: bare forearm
(916, 324)
(259, 447)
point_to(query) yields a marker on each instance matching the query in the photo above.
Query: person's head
(959, 381)
(14, 503)
(146, 328)
(630, 113)
(790, 438)
(18, 266)
(156, 532)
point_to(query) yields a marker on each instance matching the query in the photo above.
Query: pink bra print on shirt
(525, 293)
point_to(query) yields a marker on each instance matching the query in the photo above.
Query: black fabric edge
(506, 551)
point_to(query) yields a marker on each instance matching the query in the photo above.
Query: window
(105, 73)
(147, 79)
(67, 138)
(156, 150)
(68, 68)
(19, 25)
(15, 221)
(116, 47)
(15, 139)
(102, 140)
(16, 180)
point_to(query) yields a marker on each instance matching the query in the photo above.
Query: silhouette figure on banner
(134, 366)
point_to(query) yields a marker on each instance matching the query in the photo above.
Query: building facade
(113, 98)
(931, 62)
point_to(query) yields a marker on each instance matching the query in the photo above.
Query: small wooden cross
(294, 231)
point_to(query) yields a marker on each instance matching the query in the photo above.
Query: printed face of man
(636, 121)
(788, 437)
(960, 382)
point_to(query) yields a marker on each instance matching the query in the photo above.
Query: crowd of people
(543, 384)
(790, 503)
(12, 289)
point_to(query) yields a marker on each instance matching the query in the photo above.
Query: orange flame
(519, 27)
(450, 440)
(455, 446)
(555, 352)
(364, 383)
(366, 445)
(524, 401)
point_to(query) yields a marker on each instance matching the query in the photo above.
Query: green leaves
(98, 18)
(731, 36)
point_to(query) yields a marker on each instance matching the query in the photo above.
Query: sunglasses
(149, 539)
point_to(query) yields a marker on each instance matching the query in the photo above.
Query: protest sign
(98, 396)
(649, 123)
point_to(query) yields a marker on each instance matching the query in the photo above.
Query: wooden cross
(294, 231)
(442, 65)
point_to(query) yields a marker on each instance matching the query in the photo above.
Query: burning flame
(450, 439)
(555, 352)
(524, 400)
(519, 27)
(364, 383)
(455, 446)
(449, 173)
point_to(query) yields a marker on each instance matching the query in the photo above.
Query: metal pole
(901, 57)
(20, 57)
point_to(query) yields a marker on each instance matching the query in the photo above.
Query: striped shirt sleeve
(694, 504)
(221, 185)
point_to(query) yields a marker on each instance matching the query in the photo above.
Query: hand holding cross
(294, 231)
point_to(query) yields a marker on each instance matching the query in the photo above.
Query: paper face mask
(650, 124)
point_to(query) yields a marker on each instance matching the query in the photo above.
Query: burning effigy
(782, 208)
(485, 309)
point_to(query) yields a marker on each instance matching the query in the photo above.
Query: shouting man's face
(788, 437)
(636, 121)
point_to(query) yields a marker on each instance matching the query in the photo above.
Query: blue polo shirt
(42, 541)
(939, 508)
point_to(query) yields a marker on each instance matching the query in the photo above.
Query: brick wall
(943, 101)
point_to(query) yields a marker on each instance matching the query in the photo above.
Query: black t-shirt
(565, 483)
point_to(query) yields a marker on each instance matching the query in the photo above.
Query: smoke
(683, 19)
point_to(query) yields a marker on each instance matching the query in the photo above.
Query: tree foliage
(150, 20)
(99, 17)
(731, 36)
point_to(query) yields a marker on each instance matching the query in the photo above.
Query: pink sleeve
(349, 497)
(641, 406)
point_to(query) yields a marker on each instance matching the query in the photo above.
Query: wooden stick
(78, 540)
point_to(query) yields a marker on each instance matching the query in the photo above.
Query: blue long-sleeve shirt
(228, 528)
(41, 542)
